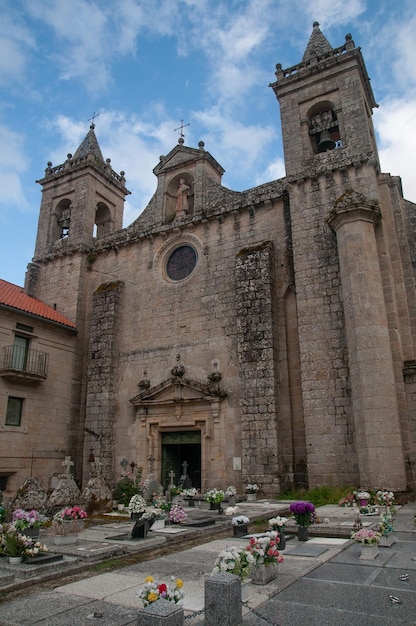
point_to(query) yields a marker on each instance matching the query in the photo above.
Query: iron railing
(19, 360)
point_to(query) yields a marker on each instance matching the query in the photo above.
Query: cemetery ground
(322, 581)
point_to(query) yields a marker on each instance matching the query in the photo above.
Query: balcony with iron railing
(21, 364)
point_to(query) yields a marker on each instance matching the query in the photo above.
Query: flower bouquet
(240, 520)
(191, 492)
(175, 490)
(231, 491)
(15, 544)
(137, 504)
(234, 561)
(384, 498)
(252, 488)
(154, 590)
(302, 512)
(348, 500)
(69, 521)
(177, 514)
(24, 520)
(214, 496)
(366, 536)
(278, 523)
(264, 549)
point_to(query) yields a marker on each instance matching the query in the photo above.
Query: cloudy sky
(146, 65)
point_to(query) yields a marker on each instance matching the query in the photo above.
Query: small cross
(171, 476)
(185, 468)
(181, 127)
(67, 465)
(92, 118)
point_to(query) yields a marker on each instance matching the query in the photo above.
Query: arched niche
(323, 127)
(62, 222)
(179, 197)
(103, 220)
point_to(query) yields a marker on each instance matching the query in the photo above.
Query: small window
(14, 411)
(26, 329)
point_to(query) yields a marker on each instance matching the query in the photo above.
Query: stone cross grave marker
(184, 480)
(67, 463)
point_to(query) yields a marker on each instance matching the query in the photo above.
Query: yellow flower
(149, 579)
(152, 597)
(179, 583)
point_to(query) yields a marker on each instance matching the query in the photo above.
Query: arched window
(103, 220)
(63, 219)
(323, 127)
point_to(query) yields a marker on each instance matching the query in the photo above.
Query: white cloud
(13, 163)
(15, 44)
(395, 124)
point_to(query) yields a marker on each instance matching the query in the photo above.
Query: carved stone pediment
(178, 390)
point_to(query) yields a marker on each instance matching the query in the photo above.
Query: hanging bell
(325, 142)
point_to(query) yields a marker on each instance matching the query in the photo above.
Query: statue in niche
(182, 197)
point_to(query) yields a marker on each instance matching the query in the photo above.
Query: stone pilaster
(257, 362)
(376, 417)
(102, 376)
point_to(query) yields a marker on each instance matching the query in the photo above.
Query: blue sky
(146, 65)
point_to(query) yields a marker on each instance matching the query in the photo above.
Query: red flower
(162, 588)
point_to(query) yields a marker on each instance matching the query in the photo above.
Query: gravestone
(66, 492)
(97, 495)
(151, 485)
(185, 482)
(31, 495)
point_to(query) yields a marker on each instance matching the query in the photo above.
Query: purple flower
(303, 512)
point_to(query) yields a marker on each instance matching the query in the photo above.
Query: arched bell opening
(63, 219)
(324, 127)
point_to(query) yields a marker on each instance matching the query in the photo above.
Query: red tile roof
(14, 297)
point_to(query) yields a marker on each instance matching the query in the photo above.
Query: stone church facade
(262, 336)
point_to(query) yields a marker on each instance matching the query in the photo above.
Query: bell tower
(82, 201)
(326, 104)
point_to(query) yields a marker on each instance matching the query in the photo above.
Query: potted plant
(214, 497)
(252, 490)
(266, 556)
(154, 590)
(17, 546)
(235, 561)
(240, 525)
(304, 513)
(123, 491)
(363, 498)
(190, 494)
(368, 540)
(385, 528)
(383, 500)
(279, 525)
(67, 523)
(28, 522)
(136, 506)
(231, 493)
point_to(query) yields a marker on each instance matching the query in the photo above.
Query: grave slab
(306, 549)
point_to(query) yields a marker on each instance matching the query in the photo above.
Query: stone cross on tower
(67, 463)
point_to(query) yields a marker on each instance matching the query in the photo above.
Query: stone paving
(322, 581)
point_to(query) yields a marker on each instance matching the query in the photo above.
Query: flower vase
(369, 551)
(382, 509)
(31, 532)
(231, 500)
(282, 542)
(214, 506)
(240, 530)
(263, 574)
(65, 540)
(175, 499)
(303, 533)
(363, 502)
(120, 507)
(15, 560)
(386, 540)
(158, 524)
(251, 497)
(136, 516)
(191, 502)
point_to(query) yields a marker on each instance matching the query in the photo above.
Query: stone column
(374, 400)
